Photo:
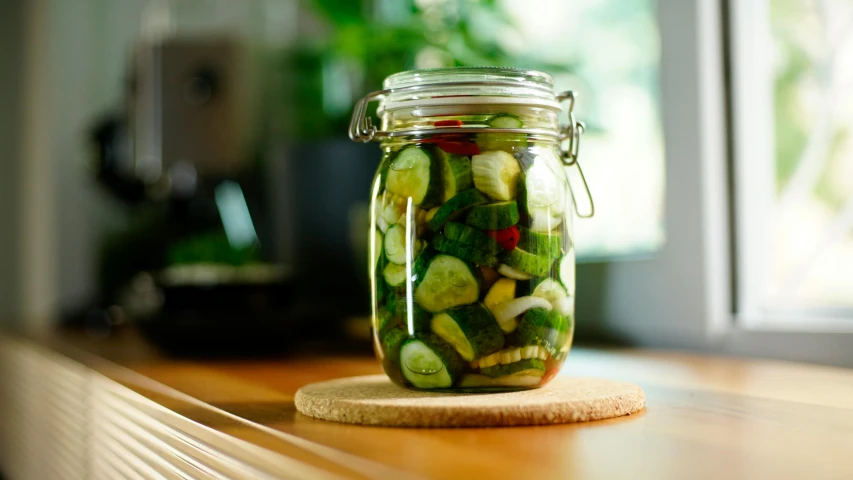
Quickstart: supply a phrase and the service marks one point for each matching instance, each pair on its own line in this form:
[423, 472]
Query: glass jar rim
[468, 86]
[444, 75]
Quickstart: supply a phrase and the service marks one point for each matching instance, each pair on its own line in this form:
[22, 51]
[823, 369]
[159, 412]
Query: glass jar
[471, 263]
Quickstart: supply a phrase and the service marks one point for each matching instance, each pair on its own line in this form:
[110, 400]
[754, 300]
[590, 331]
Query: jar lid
[472, 86]
[468, 86]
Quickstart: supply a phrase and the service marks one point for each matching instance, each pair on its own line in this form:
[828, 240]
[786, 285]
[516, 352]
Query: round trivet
[374, 400]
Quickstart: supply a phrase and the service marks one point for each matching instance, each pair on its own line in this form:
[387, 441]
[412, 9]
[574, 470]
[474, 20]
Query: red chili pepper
[459, 148]
[507, 238]
[448, 123]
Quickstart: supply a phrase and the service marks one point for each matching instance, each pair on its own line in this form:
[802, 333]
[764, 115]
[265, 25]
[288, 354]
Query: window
[612, 51]
[794, 167]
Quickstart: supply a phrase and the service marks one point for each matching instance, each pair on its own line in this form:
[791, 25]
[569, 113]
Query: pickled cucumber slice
[455, 207]
[502, 291]
[392, 340]
[507, 313]
[473, 237]
[536, 265]
[465, 252]
[542, 197]
[544, 327]
[422, 262]
[495, 216]
[532, 367]
[415, 172]
[395, 244]
[505, 120]
[501, 141]
[566, 272]
[448, 282]
[540, 243]
[543, 188]
[471, 330]
[395, 275]
[456, 171]
[496, 174]
[429, 362]
[399, 307]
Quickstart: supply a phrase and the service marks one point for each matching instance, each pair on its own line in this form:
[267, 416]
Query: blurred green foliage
[367, 40]
[798, 69]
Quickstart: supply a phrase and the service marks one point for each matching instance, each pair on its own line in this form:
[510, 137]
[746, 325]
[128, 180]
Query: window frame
[688, 295]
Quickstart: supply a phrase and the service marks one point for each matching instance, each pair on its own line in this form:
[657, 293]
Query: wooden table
[145, 415]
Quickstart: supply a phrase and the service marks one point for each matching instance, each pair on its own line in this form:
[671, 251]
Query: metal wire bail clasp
[361, 128]
[572, 133]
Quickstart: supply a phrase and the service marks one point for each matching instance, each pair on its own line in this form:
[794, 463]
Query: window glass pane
[606, 50]
[811, 228]
[612, 54]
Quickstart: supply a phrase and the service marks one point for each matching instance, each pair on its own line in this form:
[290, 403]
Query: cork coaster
[374, 400]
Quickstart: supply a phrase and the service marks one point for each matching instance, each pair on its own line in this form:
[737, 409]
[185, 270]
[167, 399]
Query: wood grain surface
[705, 417]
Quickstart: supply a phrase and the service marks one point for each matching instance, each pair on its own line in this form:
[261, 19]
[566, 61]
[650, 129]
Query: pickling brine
[472, 261]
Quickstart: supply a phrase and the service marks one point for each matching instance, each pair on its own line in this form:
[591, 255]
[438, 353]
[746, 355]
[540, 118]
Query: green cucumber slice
[536, 265]
[496, 174]
[546, 328]
[422, 262]
[471, 330]
[448, 282]
[455, 207]
[505, 120]
[416, 173]
[502, 141]
[395, 244]
[465, 252]
[566, 272]
[531, 367]
[540, 243]
[471, 236]
[400, 308]
[543, 188]
[395, 275]
[495, 216]
[429, 362]
[392, 340]
[456, 171]
[541, 197]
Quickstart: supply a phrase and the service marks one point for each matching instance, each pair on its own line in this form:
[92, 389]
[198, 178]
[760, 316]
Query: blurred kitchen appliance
[219, 257]
[191, 106]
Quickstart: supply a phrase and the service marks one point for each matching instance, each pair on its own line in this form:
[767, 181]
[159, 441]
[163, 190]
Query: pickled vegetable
[472, 331]
[478, 292]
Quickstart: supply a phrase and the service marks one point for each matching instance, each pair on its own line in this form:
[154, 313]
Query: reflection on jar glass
[472, 261]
